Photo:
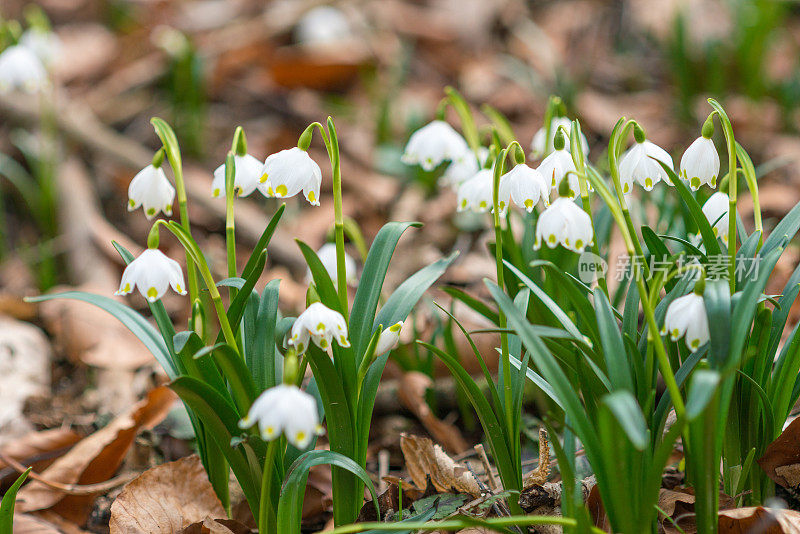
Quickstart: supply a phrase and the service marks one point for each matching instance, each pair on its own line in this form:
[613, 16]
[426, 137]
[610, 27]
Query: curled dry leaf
[424, 459]
[30, 524]
[759, 519]
[94, 459]
[166, 499]
[411, 392]
[38, 449]
[781, 460]
[215, 526]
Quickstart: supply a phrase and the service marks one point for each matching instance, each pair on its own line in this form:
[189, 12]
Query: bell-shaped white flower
[463, 168]
[565, 223]
[246, 176]
[388, 339]
[716, 210]
[700, 163]
[151, 190]
[327, 255]
[322, 325]
[43, 43]
[290, 171]
[538, 146]
[686, 316]
[638, 163]
[152, 273]
[433, 144]
[323, 25]
[285, 409]
[525, 187]
[556, 166]
[477, 193]
[21, 70]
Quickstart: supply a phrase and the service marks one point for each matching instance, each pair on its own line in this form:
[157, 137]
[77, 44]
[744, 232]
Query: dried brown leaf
[411, 392]
[424, 459]
[166, 499]
[759, 519]
[781, 460]
[37, 449]
[94, 459]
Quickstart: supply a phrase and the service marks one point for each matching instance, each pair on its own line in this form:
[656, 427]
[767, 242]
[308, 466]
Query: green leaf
[261, 360]
[290, 505]
[786, 229]
[701, 390]
[628, 414]
[132, 320]
[322, 279]
[263, 243]
[188, 344]
[617, 364]
[8, 502]
[236, 308]
[235, 371]
[474, 303]
[717, 299]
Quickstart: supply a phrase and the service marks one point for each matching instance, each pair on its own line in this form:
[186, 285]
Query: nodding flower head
[538, 146]
[285, 409]
[151, 190]
[389, 339]
[556, 166]
[433, 144]
[288, 172]
[639, 164]
[716, 210]
[21, 70]
[463, 168]
[686, 316]
[321, 324]
[477, 193]
[564, 223]
[526, 187]
[246, 176]
[700, 163]
[152, 273]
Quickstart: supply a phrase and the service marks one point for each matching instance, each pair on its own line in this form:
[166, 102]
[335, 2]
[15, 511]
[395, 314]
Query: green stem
[462, 523]
[267, 523]
[727, 129]
[230, 229]
[338, 217]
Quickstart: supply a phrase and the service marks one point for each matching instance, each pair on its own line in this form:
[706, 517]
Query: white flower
[290, 171]
[323, 25]
[687, 316]
[327, 255]
[151, 190]
[555, 166]
[564, 222]
[700, 163]
[285, 409]
[463, 168]
[433, 144]
[321, 324]
[246, 177]
[152, 273]
[21, 69]
[477, 193]
[43, 43]
[638, 164]
[538, 143]
[716, 211]
[525, 187]
[388, 339]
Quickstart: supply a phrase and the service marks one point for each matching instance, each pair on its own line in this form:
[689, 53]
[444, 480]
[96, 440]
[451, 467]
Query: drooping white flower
[463, 168]
[638, 165]
[525, 186]
[477, 193]
[285, 409]
[43, 43]
[700, 163]
[152, 273]
[538, 147]
[246, 177]
[327, 255]
[716, 211]
[288, 172]
[321, 324]
[323, 25]
[557, 165]
[21, 70]
[151, 190]
[388, 339]
[433, 144]
[686, 316]
[565, 223]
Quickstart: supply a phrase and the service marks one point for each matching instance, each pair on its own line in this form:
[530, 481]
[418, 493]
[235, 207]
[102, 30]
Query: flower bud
[389, 339]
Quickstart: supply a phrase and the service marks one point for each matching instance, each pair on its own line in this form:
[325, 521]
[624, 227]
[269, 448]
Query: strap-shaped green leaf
[7, 504]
